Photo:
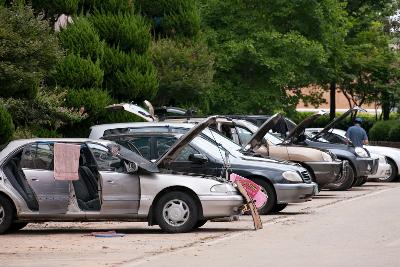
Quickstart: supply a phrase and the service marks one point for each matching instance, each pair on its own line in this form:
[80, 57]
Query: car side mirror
[131, 167]
[198, 158]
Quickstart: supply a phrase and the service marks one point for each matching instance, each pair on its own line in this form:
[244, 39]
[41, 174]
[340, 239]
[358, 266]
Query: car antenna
[227, 165]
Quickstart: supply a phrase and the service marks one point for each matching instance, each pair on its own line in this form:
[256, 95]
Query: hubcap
[2, 214]
[176, 212]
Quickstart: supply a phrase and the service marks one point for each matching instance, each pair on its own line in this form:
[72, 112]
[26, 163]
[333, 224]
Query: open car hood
[185, 139]
[135, 109]
[300, 128]
[336, 121]
[256, 139]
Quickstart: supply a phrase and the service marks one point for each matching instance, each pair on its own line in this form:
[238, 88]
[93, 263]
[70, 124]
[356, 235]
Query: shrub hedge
[81, 38]
[6, 125]
[78, 72]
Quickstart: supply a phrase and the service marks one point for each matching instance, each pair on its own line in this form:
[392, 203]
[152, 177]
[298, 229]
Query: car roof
[97, 131]
[15, 144]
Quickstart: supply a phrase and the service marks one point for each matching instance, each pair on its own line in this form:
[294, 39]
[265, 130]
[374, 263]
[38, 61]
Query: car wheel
[279, 207]
[344, 183]
[16, 226]
[6, 214]
[270, 192]
[393, 175]
[361, 180]
[200, 223]
[176, 212]
[364, 180]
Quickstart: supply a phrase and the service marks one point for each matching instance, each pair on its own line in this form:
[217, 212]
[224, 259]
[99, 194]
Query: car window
[142, 143]
[244, 134]
[38, 156]
[163, 143]
[184, 155]
[105, 160]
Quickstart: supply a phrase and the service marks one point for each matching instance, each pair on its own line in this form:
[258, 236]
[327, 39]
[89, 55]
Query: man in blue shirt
[357, 134]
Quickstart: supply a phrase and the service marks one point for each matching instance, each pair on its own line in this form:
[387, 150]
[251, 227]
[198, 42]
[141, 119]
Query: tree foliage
[28, 52]
[6, 125]
[185, 71]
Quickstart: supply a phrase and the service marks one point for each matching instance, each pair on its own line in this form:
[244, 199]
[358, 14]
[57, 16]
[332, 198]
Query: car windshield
[226, 143]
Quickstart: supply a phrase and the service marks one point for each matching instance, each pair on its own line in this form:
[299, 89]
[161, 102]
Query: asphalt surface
[354, 228]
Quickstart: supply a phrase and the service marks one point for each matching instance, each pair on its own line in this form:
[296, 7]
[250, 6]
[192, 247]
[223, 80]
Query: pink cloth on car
[252, 189]
[66, 161]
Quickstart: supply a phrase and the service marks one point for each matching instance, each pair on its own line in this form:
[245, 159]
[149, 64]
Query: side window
[163, 144]
[38, 156]
[142, 144]
[105, 160]
[184, 155]
[244, 134]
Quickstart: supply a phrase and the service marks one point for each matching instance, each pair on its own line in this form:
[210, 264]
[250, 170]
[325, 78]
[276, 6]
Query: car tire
[361, 180]
[279, 207]
[344, 183]
[364, 180]
[394, 175]
[6, 214]
[200, 223]
[16, 226]
[270, 192]
[176, 212]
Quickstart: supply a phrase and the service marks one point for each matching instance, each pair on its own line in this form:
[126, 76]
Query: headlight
[292, 176]
[361, 152]
[326, 157]
[222, 188]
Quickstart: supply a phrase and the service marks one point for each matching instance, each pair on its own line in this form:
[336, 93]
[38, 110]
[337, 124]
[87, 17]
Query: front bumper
[325, 172]
[384, 171]
[221, 206]
[366, 166]
[295, 193]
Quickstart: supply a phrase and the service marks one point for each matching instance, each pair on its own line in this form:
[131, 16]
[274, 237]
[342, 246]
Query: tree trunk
[332, 88]
[385, 106]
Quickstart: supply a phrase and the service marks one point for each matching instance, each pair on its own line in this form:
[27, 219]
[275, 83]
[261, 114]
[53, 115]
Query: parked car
[114, 184]
[323, 166]
[389, 157]
[209, 153]
[359, 159]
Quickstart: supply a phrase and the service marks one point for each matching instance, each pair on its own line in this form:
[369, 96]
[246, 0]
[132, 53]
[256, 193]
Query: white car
[392, 155]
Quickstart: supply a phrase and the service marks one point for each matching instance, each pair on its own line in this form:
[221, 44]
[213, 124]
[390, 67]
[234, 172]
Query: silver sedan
[113, 184]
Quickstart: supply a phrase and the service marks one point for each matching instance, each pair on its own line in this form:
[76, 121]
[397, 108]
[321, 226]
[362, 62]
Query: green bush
[172, 17]
[125, 31]
[114, 6]
[380, 131]
[28, 51]
[394, 132]
[92, 100]
[77, 72]
[182, 68]
[56, 7]
[82, 39]
[129, 75]
[6, 125]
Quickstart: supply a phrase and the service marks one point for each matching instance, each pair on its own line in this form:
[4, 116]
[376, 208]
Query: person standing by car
[357, 134]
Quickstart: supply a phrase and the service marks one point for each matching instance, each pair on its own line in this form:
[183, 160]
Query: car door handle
[35, 180]
[110, 181]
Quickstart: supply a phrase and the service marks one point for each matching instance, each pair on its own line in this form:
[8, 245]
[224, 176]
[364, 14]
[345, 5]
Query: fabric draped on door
[66, 161]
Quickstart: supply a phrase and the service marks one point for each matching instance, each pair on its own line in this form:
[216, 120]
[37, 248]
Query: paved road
[355, 228]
